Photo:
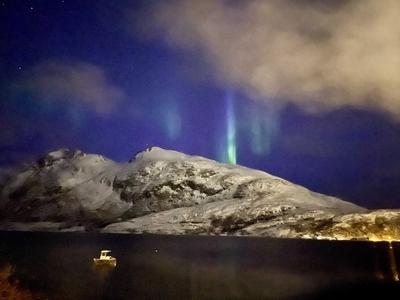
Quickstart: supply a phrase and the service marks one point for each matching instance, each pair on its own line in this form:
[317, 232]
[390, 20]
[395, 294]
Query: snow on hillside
[162, 191]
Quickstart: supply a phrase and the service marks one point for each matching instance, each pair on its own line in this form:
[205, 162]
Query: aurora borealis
[229, 149]
[314, 100]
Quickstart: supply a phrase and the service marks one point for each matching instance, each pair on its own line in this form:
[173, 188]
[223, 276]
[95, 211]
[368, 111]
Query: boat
[105, 259]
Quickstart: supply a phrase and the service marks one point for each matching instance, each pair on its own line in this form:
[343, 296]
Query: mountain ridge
[168, 192]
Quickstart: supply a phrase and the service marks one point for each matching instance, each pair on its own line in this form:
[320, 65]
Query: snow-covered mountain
[62, 186]
[164, 191]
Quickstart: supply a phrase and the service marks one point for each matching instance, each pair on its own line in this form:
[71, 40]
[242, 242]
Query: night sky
[305, 90]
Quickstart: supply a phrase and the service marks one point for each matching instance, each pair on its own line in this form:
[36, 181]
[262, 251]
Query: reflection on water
[103, 270]
[60, 266]
[390, 261]
[393, 265]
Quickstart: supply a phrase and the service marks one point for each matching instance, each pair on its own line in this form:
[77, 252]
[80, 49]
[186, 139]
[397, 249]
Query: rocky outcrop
[168, 192]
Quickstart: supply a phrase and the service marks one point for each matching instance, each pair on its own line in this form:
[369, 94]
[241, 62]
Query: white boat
[105, 259]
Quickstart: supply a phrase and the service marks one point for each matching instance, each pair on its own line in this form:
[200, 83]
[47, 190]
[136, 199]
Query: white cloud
[319, 54]
[77, 82]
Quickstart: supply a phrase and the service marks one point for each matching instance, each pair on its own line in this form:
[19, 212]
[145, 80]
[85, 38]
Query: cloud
[76, 83]
[319, 54]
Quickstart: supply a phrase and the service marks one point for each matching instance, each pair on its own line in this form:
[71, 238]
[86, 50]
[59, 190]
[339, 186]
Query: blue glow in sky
[231, 128]
[212, 78]
[168, 115]
[228, 149]
[264, 129]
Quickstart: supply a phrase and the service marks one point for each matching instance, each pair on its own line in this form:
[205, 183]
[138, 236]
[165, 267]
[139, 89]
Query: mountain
[168, 192]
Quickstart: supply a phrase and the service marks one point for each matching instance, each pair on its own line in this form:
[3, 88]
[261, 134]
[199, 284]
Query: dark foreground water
[199, 267]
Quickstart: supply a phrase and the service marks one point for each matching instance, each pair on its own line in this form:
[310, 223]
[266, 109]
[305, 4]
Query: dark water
[199, 267]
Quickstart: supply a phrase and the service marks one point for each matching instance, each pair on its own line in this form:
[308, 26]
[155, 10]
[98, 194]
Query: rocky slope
[163, 191]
